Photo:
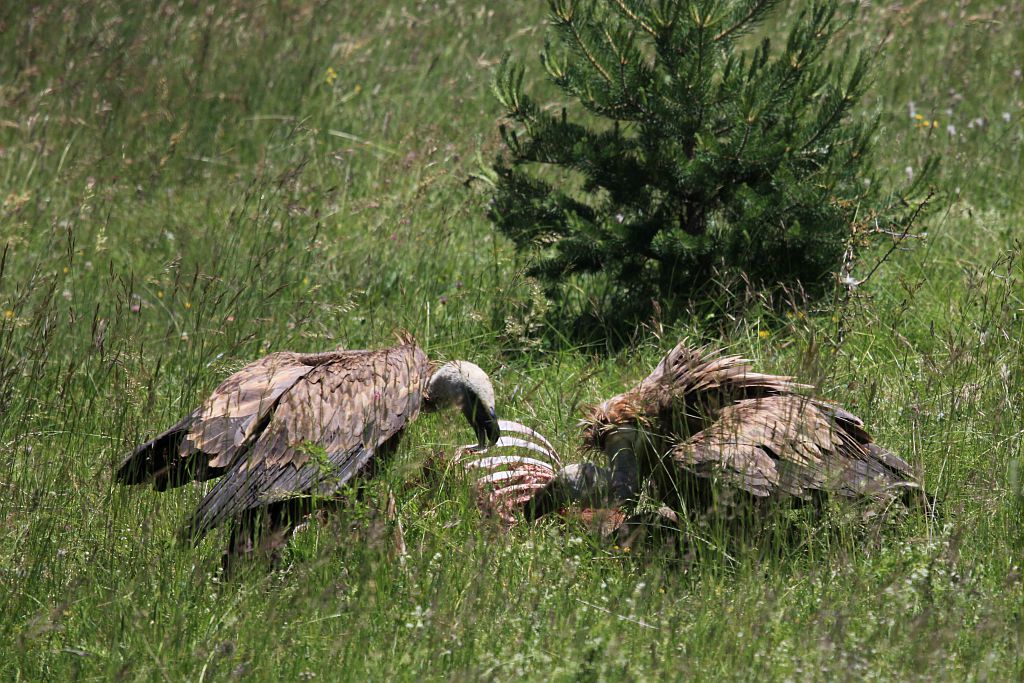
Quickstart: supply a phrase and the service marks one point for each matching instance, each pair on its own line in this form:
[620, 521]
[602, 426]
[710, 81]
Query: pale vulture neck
[457, 382]
[463, 385]
[447, 387]
[625, 477]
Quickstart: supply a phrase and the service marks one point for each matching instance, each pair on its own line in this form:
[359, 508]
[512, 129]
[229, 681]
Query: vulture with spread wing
[702, 423]
[286, 432]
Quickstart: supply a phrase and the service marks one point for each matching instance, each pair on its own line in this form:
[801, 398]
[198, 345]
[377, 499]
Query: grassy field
[187, 185]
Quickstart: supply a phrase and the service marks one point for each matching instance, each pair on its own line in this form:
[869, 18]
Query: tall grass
[188, 185]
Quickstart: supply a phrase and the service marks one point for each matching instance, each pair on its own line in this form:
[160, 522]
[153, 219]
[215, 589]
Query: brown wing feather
[685, 392]
[231, 415]
[791, 445]
[705, 380]
[210, 437]
[325, 429]
[153, 460]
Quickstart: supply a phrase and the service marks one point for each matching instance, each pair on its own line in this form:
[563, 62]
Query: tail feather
[158, 461]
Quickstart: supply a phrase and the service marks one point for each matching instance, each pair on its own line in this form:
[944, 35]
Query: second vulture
[289, 430]
[702, 424]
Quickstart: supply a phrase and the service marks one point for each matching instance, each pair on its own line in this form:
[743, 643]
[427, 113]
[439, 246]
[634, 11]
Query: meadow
[187, 185]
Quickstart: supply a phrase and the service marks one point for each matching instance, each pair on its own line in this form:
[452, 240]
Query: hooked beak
[484, 422]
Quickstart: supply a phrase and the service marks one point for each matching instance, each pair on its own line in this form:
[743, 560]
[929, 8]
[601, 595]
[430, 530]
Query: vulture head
[583, 484]
[465, 386]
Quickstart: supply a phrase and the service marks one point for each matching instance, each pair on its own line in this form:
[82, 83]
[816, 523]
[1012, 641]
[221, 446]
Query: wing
[325, 429]
[705, 381]
[211, 436]
[684, 394]
[791, 445]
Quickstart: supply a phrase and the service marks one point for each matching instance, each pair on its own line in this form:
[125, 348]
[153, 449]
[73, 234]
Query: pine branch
[567, 20]
[756, 9]
[635, 18]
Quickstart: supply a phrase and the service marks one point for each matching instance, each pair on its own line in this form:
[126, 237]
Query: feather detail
[716, 418]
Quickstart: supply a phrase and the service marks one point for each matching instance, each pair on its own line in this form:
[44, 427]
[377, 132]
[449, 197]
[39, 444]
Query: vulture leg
[241, 543]
[655, 527]
[262, 533]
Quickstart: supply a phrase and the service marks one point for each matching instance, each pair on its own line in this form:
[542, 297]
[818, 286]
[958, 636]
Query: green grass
[187, 185]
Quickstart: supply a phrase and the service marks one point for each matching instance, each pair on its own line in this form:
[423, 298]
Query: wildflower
[15, 201]
[1006, 117]
[951, 129]
[330, 76]
[188, 304]
[762, 334]
[918, 117]
[8, 314]
[66, 270]
[909, 170]
[160, 295]
[935, 124]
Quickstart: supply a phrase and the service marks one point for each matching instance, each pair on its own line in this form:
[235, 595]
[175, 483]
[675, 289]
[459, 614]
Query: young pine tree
[689, 157]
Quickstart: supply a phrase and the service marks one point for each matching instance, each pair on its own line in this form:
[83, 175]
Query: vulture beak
[483, 419]
[465, 385]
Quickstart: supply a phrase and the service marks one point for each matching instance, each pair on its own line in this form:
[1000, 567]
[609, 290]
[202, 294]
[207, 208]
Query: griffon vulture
[702, 423]
[289, 430]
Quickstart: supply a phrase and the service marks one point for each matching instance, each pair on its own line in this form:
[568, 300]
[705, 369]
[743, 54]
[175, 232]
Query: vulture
[703, 424]
[288, 431]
